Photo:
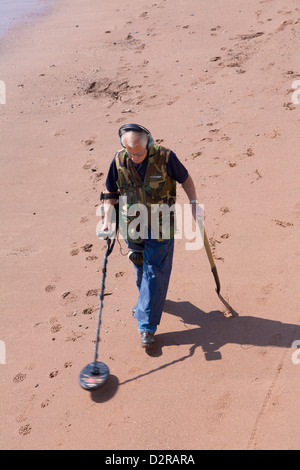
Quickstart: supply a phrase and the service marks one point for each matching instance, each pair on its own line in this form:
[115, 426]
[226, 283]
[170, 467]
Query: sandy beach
[217, 82]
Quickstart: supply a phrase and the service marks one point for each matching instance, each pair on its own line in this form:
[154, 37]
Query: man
[145, 175]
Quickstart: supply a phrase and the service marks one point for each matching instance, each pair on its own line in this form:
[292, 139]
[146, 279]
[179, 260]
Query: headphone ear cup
[150, 144]
[121, 140]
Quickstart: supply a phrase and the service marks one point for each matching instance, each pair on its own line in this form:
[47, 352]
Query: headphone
[136, 128]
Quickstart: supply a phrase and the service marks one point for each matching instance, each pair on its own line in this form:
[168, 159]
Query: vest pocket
[157, 187]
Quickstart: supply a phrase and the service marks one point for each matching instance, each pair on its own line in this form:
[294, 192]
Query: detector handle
[106, 234]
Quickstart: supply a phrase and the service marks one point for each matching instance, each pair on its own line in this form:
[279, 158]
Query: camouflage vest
[146, 204]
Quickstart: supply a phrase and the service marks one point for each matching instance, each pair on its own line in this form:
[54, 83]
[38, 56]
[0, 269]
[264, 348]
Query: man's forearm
[108, 208]
[190, 189]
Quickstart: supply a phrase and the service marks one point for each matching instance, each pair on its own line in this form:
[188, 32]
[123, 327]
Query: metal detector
[95, 374]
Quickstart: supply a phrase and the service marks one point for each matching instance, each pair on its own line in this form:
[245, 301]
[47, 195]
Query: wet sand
[14, 12]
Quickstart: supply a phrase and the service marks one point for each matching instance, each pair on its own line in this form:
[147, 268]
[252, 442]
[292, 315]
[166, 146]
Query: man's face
[137, 152]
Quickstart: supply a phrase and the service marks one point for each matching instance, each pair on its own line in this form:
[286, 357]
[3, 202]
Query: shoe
[148, 340]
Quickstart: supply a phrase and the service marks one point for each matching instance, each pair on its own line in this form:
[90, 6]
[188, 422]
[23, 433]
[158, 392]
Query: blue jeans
[152, 280]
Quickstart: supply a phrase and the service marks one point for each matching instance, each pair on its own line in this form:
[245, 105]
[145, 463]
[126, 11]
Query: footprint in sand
[221, 405]
[50, 288]
[224, 209]
[87, 247]
[289, 106]
[91, 292]
[283, 224]
[89, 142]
[68, 297]
[19, 378]
[88, 165]
[265, 292]
[55, 328]
[25, 430]
[87, 311]
[53, 374]
[45, 403]
[96, 176]
[250, 152]
[60, 132]
[223, 402]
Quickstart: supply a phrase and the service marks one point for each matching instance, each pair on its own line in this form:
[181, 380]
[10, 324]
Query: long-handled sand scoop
[211, 261]
[213, 267]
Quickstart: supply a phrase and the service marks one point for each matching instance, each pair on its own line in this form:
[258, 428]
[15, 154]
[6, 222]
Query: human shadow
[215, 330]
[211, 331]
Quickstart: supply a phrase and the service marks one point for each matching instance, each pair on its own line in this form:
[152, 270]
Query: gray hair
[132, 137]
